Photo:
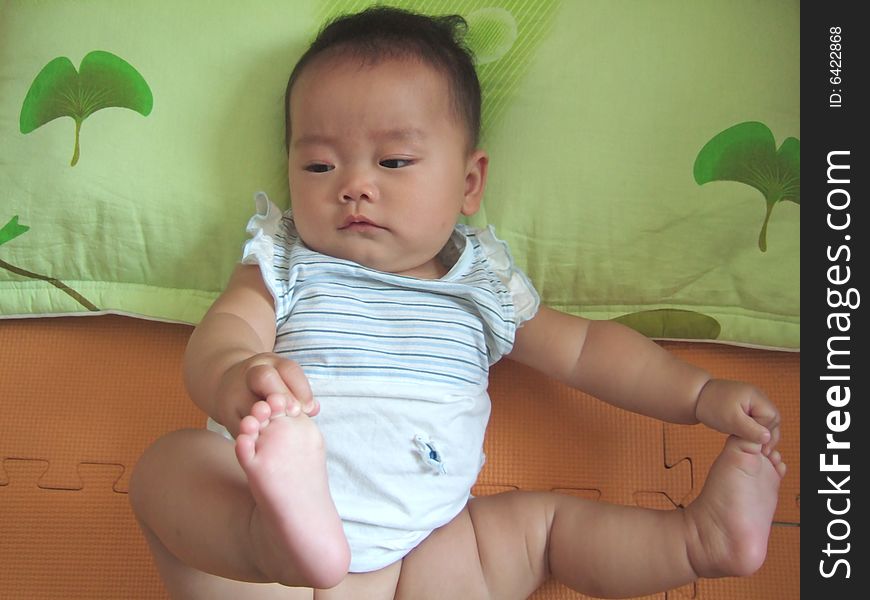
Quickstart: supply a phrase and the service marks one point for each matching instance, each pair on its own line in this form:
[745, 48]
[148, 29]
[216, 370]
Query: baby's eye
[319, 168]
[396, 163]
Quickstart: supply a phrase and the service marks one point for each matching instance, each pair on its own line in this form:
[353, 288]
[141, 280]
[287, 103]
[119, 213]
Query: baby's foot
[729, 522]
[282, 452]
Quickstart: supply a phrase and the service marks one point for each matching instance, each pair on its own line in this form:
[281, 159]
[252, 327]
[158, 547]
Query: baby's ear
[475, 182]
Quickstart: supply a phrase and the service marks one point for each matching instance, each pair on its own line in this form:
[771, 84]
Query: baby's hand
[739, 409]
[261, 377]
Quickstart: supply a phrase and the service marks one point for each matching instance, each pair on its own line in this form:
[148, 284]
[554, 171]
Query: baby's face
[379, 165]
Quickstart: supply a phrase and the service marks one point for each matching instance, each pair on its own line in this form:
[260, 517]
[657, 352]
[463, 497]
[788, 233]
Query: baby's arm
[229, 363]
[626, 369]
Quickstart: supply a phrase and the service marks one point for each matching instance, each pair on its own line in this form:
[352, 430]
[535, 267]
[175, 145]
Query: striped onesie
[400, 367]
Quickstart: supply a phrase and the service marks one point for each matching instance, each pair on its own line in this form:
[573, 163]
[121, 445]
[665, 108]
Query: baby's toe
[262, 412]
[776, 461]
[250, 426]
[277, 404]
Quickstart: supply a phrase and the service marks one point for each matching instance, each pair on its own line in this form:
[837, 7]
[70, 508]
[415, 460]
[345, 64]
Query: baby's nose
[359, 187]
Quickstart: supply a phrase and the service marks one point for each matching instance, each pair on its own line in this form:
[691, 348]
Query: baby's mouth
[359, 223]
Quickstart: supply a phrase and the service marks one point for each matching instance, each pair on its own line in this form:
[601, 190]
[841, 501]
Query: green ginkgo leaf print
[12, 230]
[747, 153]
[102, 81]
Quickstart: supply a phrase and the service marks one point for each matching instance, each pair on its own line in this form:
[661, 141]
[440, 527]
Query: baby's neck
[434, 269]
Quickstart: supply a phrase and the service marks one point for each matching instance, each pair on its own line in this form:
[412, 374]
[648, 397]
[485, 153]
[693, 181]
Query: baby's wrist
[703, 392]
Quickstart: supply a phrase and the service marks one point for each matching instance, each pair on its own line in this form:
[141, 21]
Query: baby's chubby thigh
[374, 585]
[445, 565]
[495, 548]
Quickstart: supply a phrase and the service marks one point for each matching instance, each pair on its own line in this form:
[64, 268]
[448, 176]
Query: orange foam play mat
[81, 398]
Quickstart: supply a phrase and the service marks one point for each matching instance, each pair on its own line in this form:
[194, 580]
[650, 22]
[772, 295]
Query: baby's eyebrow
[399, 134]
[313, 139]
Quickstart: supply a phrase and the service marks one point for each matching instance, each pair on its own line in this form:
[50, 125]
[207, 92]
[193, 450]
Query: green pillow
[644, 155]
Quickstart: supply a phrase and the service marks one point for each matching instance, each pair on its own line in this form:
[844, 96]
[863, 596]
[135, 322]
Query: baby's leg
[190, 493]
[614, 551]
[505, 546]
[186, 583]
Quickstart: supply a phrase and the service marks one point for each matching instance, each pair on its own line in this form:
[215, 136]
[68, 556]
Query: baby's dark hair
[381, 33]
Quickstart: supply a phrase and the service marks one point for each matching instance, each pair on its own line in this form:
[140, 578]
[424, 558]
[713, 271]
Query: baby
[345, 368]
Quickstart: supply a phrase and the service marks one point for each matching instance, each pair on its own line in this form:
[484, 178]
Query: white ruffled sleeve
[525, 298]
[268, 247]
